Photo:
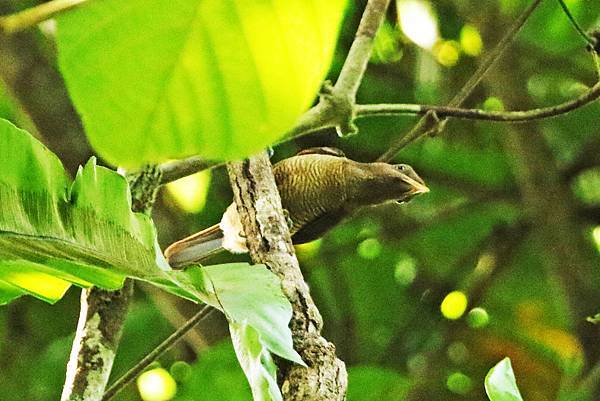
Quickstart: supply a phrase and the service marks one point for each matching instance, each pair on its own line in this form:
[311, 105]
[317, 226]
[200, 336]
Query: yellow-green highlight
[156, 385]
[454, 305]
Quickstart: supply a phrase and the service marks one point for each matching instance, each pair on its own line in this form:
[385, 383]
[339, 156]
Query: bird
[319, 187]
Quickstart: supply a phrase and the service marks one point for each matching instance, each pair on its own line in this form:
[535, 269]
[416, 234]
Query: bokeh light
[459, 383]
[156, 385]
[447, 53]
[405, 270]
[470, 41]
[596, 237]
[190, 192]
[309, 249]
[478, 318]
[180, 370]
[493, 103]
[418, 22]
[457, 352]
[454, 305]
[369, 249]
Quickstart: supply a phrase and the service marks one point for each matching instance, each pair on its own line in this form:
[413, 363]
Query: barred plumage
[319, 187]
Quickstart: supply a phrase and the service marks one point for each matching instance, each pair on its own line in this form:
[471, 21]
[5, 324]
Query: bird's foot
[288, 219]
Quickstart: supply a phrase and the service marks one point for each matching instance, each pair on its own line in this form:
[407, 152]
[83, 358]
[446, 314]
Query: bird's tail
[195, 248]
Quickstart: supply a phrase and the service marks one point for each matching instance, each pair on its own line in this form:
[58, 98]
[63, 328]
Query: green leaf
[500, 383]
[218, 78]
[53, 234]
[264, 306]
[258, 317]
[256, 362]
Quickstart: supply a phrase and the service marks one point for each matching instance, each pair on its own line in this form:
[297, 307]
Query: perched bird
[319, 187]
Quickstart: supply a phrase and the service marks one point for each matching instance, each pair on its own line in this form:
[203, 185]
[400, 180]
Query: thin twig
[360, 52]
[178, 169]
[369, 110]
[32, 16]
[324, 115]
[423, 127]
[175, 170]
[596, 63]
[575, 24]
[163, 347]
[494, 55]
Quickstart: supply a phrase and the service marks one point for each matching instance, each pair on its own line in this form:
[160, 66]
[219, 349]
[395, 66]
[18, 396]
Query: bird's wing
[324, 150]
[318, 227]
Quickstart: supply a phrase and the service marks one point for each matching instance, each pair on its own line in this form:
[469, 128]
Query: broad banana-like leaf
[54, 233]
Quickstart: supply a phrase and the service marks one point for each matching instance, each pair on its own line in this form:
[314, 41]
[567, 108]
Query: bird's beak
[417, 187]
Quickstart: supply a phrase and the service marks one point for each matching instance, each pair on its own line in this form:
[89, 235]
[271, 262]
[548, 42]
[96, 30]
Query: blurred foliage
[225, 55]
[379, 279]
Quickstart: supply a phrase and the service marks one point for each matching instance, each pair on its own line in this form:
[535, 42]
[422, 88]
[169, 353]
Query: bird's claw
[288, 219]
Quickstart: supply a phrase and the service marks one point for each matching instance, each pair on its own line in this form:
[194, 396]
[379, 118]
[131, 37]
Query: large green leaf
[54, 233]
[500, 383]
[157, 79]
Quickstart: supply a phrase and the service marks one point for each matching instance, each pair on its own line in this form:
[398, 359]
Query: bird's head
[415, 184]
[382, 182]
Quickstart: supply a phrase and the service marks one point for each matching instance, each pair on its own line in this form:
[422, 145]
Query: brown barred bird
[319, 187]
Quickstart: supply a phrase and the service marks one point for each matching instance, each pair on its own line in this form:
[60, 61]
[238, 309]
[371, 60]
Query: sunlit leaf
[54, 233]
[160, 79]
[264, 307]
[256, 362]
[500, 383]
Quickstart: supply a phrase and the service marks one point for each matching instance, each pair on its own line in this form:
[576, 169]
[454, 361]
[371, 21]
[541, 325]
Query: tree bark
[101, 318]
[269, 242]
[102, 315]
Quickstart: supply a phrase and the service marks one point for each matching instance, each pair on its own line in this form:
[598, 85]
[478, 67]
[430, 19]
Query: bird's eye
[401, 167]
